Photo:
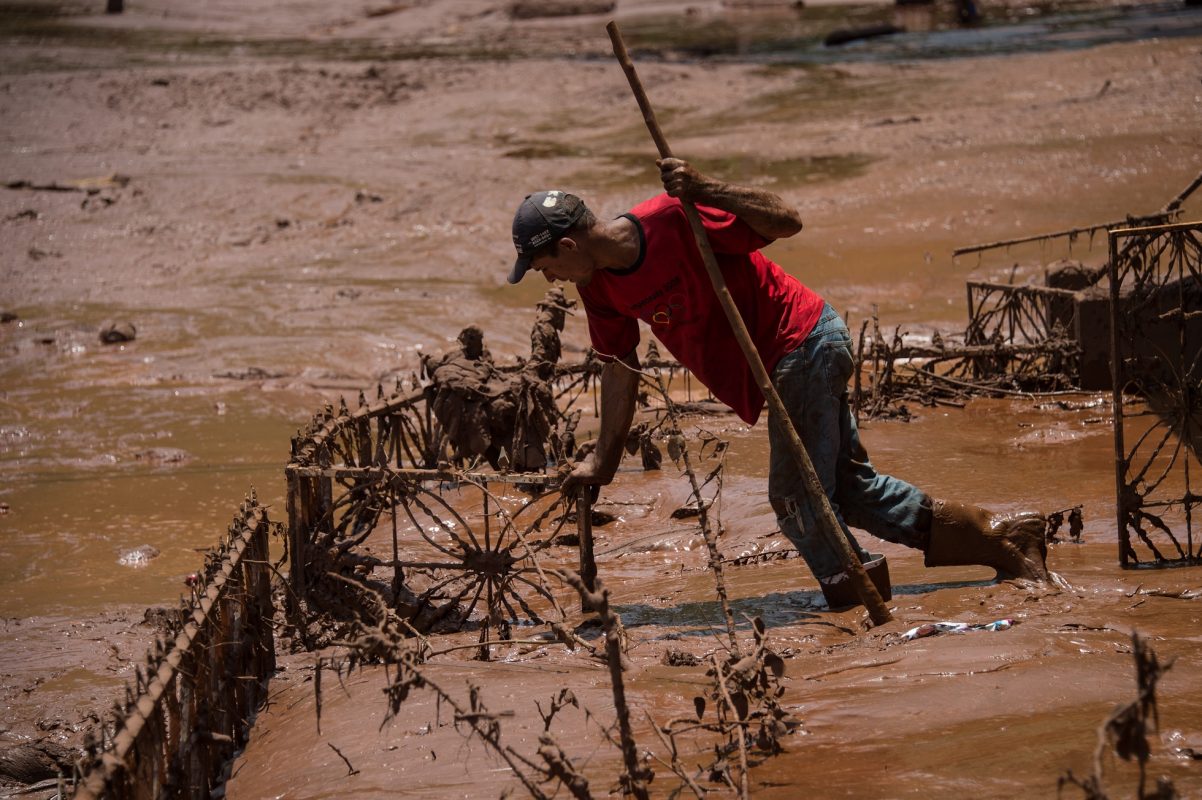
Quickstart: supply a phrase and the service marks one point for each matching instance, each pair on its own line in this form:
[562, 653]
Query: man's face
[567, 263]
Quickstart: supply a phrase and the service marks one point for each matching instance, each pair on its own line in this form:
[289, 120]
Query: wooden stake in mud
[584, 527]
[828, 524]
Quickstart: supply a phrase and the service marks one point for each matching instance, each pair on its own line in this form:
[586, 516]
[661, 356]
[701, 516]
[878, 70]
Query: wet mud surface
[287, 203]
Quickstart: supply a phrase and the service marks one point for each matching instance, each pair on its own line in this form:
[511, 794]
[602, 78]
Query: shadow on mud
[777, 609]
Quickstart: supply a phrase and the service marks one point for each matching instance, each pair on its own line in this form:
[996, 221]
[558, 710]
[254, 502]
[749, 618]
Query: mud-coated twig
[674, 763]
[740, 729]
[637, 777]
[350, 770]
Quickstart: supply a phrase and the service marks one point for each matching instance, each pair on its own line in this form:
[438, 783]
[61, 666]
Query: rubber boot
[1014, 545]
[840, 593]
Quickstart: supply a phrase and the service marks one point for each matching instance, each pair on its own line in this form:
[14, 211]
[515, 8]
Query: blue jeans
[812, 382]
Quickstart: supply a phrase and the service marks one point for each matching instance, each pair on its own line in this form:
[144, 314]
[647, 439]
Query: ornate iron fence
[192, 704]
[1156, 346]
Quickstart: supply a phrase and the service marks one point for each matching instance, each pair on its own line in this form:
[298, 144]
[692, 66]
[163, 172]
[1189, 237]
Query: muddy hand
[585, 473]
[680, 178]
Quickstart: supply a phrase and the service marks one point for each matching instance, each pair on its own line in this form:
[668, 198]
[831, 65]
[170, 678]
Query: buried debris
[407, 522]
[936, 628]
[501, 417]
[1076, 524]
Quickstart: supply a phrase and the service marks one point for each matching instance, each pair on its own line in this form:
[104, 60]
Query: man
[645, 265]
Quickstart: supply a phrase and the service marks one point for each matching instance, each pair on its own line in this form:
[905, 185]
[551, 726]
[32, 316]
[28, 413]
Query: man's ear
[568, 243]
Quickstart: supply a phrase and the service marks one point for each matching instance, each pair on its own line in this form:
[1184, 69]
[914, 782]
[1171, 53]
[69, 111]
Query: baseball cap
[541, 218]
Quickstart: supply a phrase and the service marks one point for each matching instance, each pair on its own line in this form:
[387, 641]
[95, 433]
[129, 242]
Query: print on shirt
[669, 306]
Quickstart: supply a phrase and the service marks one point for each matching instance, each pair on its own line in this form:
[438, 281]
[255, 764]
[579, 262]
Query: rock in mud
[163, 456]
[138, 557]
[679, 658]
[162, 619]
[117, 332]
[36, 761]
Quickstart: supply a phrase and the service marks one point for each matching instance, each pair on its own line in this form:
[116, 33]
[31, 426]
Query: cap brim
[520, 267]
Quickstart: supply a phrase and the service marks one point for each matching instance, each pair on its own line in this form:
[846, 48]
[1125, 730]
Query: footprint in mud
[139, 556]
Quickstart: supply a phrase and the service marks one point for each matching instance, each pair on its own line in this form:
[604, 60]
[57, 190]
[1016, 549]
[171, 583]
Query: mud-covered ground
[293, 199]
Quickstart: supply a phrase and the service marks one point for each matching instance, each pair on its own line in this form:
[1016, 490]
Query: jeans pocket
[838, 365]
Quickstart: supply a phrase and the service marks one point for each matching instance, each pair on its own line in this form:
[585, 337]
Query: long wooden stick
[828, 524]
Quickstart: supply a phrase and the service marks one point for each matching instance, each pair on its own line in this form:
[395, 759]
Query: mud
[281, 158]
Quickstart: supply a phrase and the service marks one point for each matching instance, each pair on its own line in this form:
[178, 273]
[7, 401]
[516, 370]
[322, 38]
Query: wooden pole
[584, 527]
[828, 524]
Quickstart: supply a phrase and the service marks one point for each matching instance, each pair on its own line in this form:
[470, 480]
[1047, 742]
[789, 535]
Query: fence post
[298, 528]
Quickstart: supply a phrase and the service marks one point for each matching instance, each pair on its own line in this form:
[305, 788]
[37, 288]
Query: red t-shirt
[669, 289]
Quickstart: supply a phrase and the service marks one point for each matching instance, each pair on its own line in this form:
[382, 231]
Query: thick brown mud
[310, 206]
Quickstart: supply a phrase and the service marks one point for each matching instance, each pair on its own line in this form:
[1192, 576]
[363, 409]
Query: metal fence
[1156, 346]
[192, 704]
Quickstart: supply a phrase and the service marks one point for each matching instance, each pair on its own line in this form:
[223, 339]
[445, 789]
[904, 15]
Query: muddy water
[292, 231]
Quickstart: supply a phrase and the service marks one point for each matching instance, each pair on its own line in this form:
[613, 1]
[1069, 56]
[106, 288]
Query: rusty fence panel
[193, 702]
[1156, 349]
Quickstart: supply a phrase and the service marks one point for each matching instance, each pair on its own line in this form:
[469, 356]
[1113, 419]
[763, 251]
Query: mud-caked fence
[192, 704]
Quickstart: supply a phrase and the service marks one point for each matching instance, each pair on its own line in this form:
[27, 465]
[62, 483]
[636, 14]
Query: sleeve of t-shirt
[729, 234]
[613, 335]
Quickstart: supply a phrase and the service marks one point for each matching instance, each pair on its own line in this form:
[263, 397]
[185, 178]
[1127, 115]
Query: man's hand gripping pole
[827, 522]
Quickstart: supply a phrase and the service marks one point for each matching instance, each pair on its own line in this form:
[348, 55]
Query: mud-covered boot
[840, 592]
[1013, 544]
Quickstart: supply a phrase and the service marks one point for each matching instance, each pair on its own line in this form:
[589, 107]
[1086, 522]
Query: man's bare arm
[766, 213]
[619, 394]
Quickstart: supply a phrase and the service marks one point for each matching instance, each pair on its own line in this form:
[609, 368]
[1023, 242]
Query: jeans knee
[785, 506]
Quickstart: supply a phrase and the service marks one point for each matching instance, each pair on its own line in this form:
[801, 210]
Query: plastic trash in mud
[936, 628]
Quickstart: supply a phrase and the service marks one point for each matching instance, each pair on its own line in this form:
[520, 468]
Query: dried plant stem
[741, 730]
[637, 777]
[674, 764]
